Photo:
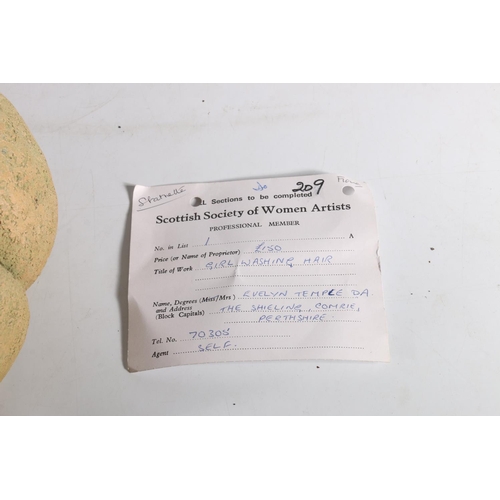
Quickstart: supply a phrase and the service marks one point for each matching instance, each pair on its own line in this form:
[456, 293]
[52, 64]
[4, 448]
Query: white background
[431, 155]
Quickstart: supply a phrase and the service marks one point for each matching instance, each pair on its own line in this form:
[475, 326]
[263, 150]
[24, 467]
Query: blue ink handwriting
[260, 187]
[289, 318]
[262, 248]
[152, 201]
[209, 333]
[214, 346]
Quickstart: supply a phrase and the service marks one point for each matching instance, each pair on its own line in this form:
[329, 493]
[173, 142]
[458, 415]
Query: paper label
[282, 268]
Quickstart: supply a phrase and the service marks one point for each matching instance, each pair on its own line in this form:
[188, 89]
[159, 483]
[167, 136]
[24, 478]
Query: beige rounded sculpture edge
[28, 202]
[28, 225]
[14, 319]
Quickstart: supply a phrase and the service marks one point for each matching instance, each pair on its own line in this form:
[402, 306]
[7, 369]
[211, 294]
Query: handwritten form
[285, 268]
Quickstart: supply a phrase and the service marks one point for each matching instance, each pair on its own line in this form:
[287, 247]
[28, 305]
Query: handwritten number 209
[308, 187]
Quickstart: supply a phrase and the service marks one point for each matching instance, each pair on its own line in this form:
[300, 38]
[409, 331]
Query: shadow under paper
[122, 290]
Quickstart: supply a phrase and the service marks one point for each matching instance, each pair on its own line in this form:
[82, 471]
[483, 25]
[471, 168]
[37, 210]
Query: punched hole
[348, 190]
[196, 202]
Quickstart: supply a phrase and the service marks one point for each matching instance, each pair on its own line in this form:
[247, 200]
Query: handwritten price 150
[263, 248]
